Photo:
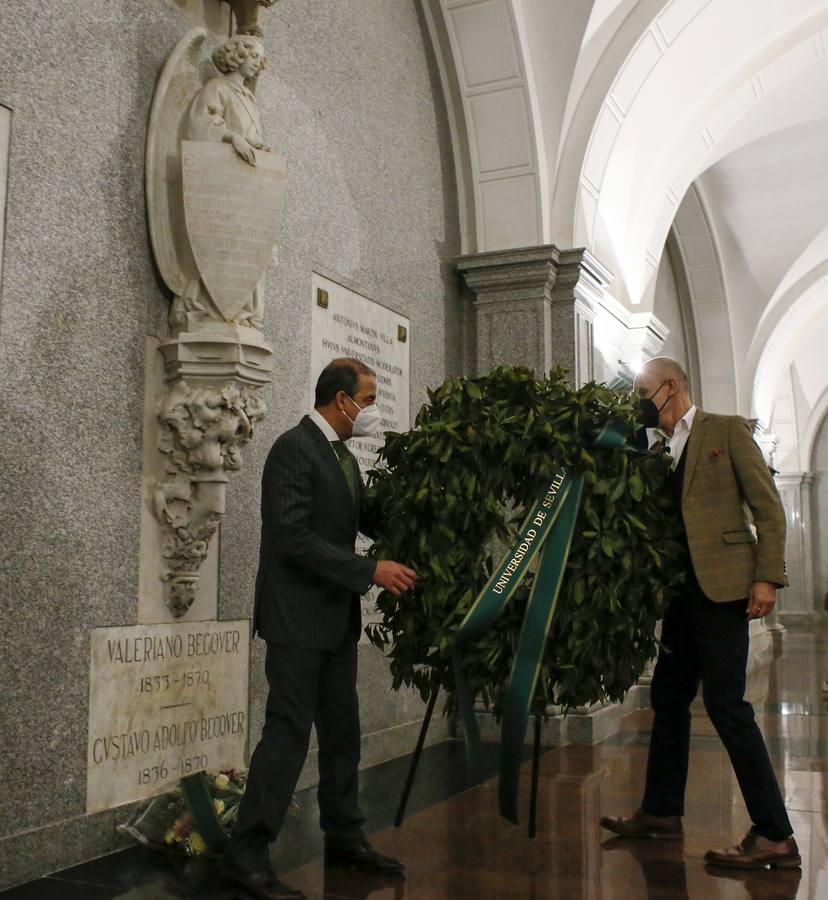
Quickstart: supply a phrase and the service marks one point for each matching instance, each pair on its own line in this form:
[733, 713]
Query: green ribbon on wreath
[546, 532]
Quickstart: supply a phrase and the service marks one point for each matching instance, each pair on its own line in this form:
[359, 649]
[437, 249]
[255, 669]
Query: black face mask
[647, 410]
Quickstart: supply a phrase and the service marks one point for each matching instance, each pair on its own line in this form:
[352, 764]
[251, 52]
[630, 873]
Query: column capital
[564, 274]
[535, 307]
[581, 277]
[510, 274]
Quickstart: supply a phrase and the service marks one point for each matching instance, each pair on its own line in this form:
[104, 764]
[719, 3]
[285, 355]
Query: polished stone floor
[456, 847]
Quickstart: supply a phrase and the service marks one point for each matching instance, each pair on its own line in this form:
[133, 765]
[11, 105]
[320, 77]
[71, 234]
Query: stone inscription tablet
[164, 701]
[346, 323]
[232, 212]
[352, 325]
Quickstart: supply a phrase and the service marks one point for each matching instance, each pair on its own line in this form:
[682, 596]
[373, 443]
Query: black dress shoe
[363, 858]
[263, 885]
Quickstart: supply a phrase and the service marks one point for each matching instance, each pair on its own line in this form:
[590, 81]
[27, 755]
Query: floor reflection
[342, 883]
[663, 869]
[456, 846]
[462, 849]
[779, 884]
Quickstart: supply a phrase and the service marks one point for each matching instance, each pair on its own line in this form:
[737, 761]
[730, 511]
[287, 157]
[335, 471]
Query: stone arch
[631, 182]
[798, 293]
[596, 73]
[486, 70]
[812, 427]
[778, 349]
[696, 242]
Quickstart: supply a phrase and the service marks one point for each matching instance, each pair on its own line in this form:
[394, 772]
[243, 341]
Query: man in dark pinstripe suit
[308, 610]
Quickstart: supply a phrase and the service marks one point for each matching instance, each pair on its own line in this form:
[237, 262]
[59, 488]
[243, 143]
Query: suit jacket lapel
[693, 449]
[329, 456]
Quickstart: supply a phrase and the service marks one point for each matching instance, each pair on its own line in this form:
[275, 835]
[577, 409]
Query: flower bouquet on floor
[195, 817]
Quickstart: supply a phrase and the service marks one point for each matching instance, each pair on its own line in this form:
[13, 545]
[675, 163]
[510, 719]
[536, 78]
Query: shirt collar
[685, 423]
[324, 425]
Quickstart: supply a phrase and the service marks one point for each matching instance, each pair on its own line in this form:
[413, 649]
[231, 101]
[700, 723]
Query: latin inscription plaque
[164, 701]
[232, 211]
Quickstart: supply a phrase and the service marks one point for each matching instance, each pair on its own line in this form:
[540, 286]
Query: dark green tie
[347, 463]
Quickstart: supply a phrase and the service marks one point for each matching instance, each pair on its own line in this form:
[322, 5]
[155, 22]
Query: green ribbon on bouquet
[205, 819]
[546, 533]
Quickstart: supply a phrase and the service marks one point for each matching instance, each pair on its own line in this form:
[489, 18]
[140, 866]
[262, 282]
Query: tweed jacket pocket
[742, 536]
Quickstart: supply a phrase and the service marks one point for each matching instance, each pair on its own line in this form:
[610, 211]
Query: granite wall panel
[352, 99]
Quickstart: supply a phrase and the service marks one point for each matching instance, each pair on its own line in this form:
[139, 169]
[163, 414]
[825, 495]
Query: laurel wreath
[451, 493]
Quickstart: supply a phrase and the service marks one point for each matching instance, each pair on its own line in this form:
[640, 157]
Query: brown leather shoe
[643, 825]
[757, 852]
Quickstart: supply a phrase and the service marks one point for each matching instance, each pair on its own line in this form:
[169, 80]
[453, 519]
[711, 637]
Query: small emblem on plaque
[402, 334]
[322, 298]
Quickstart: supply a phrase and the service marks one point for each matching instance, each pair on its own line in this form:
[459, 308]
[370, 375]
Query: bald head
[663, 368]
[665, 382]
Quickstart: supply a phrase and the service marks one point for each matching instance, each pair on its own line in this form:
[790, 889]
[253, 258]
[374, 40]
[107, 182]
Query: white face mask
[367, 421]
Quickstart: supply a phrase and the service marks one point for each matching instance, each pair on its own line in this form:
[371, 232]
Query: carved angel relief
[214, 198]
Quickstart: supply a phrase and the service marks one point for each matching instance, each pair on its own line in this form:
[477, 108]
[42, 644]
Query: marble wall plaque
[346, 323]
[5, 129]
[164, 701]
[233, 212]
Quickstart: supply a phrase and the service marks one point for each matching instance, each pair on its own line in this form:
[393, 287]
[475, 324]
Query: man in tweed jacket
[308, 610]
[734, 527]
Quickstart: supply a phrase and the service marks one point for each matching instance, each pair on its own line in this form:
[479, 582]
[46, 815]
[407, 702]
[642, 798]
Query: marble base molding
[587, 725]
[793, 618]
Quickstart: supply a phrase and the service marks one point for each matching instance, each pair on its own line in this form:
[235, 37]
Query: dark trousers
[306, 687]
[708, 642]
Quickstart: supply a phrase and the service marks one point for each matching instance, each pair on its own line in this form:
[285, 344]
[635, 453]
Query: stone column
[535, 307]
[797, 602]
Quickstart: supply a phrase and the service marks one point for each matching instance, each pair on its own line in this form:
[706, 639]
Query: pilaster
[797, 603]
[535, 307]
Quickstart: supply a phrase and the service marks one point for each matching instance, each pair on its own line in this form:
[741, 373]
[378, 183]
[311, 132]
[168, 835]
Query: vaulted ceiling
[596, 123]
